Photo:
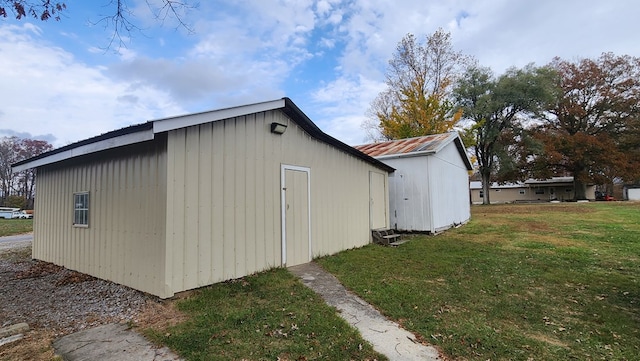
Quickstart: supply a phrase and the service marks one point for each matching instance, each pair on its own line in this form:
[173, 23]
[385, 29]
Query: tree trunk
[579, 187]
[486, 186]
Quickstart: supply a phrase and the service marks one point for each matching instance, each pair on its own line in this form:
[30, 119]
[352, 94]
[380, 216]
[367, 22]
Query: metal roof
[146, 131]
[428, 144]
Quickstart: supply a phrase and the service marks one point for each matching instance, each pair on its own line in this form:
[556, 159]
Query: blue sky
[60, 84]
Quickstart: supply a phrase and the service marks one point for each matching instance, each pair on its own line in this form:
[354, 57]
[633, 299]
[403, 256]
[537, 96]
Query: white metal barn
[429, 191]
[179, 203]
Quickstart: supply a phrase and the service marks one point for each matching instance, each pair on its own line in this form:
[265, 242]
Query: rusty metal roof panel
[428, 143]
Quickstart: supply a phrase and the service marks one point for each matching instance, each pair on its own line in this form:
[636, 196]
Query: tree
[21, 184]
[7, 157]
[495, 109]
[42, 10]
[593, 131]
[120, 18]
[419, 81]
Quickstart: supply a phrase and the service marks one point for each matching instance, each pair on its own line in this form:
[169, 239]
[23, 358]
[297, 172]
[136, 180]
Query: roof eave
[127, 136]
[146, 131]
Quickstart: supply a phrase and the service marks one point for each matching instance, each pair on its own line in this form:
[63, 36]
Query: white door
[296, 211]
[633, 194]
[377, 200]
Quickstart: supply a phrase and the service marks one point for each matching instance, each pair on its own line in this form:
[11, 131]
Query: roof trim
[146, 131]
[183, 121]
[118, 138]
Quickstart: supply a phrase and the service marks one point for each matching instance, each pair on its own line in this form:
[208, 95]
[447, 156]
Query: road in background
[19, 241]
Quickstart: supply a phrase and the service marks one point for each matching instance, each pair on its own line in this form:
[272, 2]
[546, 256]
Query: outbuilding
[429, 191]
[530, 191]
[179, 203]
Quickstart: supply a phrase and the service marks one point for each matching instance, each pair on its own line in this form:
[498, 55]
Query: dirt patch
[35, 346]
[546, 339]
[160, 315]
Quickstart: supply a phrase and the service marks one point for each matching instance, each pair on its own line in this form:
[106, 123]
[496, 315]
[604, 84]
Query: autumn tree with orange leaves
[419, 81]
[593, 131]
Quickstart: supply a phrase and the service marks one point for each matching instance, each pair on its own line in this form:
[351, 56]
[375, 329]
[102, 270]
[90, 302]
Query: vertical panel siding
[124, 242]
[241, 159]
[429, 193]
[409, 194]
[449, 183]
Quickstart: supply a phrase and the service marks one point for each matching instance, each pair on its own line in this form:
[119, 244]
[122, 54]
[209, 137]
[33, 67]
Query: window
[81, 209]
[522, 191]
[498, 190]
[481, 194]
[539, 190]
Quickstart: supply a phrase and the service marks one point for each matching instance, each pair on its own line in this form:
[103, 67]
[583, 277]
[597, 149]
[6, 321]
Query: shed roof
[146, 131]
[411, 147]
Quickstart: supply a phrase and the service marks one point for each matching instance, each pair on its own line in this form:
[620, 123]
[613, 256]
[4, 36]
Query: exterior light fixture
[278, 128]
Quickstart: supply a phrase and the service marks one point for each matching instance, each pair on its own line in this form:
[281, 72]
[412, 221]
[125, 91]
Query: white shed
[429, 191]
[179, 203]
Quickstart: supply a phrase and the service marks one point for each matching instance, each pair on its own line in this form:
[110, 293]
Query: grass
[519, 282]
[269, 316]
[10, 227]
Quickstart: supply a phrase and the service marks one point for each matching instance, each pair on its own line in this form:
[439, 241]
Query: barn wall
[124, 241]
[449, 182]
[409, 198]
[223, 206]
[429, 193]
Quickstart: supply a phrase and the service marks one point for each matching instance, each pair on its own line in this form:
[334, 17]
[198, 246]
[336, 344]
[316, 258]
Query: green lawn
[10, 227]
[270, 316]
[519, 282]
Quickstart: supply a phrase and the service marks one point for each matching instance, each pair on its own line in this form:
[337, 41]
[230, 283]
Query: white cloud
[47, 91]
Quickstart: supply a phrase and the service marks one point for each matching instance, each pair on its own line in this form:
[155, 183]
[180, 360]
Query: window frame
[81, 207]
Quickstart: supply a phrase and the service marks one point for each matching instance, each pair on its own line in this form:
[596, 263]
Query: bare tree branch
[120, 17]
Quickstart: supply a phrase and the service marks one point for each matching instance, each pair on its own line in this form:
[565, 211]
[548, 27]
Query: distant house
[631, 192]
[532, 190]
[428, 192]
[183, 202]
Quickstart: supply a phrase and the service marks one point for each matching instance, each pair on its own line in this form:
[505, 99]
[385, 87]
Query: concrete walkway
[113, 342]
[387, 337]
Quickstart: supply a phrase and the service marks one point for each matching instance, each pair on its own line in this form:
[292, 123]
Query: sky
[63, 82]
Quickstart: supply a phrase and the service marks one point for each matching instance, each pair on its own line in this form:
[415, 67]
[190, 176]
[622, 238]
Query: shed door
[296, 210]
[377, 200]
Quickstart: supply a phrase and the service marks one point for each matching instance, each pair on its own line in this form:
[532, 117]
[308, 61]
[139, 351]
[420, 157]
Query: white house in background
[179, 203]
[429, 191]
[531, 190]
[631, 192]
